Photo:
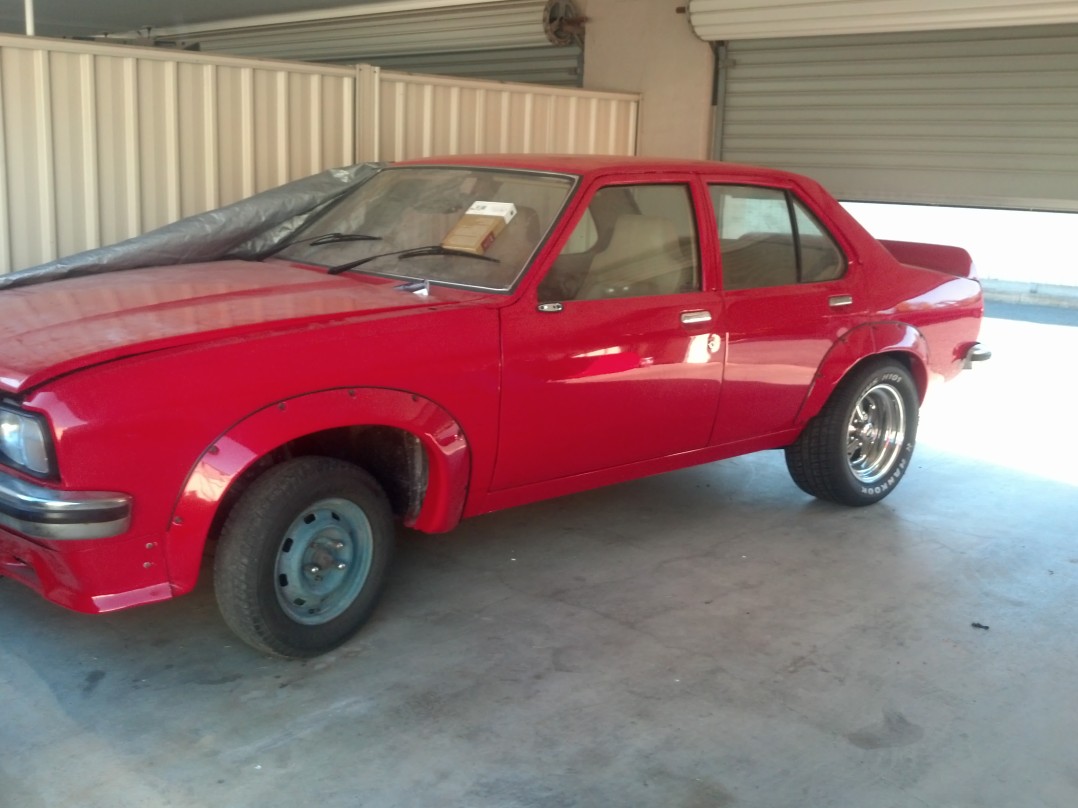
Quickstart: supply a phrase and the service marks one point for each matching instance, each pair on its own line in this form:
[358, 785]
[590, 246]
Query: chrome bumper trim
[46, 513]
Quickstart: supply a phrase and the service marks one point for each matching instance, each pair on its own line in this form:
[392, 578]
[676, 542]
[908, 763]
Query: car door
[789, 296]
[613, 358]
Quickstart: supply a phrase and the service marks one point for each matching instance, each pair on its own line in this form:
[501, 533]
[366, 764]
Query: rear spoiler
[952, 260]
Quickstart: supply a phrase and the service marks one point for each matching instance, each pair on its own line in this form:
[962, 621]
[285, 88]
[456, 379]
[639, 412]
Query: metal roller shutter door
[506, 40]
[985, 117]
[558, 67]
[716, 20]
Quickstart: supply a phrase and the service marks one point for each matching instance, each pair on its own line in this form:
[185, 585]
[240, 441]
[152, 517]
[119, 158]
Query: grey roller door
[559, 67]
[983, 118]
[536, 41]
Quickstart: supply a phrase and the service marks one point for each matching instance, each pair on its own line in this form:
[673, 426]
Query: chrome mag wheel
[876, 433]
[858, 447]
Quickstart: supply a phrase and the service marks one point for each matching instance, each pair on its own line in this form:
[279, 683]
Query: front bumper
[77, 549]
[46, 513]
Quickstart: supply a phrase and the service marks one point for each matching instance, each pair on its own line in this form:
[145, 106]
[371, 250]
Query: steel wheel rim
[876, 433]
[323, 561]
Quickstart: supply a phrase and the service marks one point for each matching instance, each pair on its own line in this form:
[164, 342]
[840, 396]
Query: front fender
[273, 426]
[858, 344]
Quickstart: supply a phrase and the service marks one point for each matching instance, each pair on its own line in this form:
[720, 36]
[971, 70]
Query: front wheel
[303, 555]
[859, 446]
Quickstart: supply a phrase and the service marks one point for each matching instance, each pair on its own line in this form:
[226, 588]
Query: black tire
[859, 446]
[303, 555]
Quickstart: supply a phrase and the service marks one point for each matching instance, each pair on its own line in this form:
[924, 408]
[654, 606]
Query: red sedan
[452, 337]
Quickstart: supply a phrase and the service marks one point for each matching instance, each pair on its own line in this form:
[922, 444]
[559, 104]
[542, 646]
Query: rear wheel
[303, 555]
[859, 446]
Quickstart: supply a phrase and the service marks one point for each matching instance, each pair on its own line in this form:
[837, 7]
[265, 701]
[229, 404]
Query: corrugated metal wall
[727, 20]
[553, 67]
[507, 40]
[983, 118]
[361, 32]
[406, 115]
[101, 143]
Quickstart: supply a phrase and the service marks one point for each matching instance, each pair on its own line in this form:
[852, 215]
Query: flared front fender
[246, 442]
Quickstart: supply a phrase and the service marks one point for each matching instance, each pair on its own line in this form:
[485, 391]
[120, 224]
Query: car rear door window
[767, 238]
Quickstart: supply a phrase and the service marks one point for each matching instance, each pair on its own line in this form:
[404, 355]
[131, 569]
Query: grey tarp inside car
[248, 229]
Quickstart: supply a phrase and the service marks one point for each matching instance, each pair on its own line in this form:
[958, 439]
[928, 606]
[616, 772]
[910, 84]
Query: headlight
[24, 441]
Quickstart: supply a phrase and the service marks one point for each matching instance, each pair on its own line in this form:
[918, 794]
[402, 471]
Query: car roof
[602, 164]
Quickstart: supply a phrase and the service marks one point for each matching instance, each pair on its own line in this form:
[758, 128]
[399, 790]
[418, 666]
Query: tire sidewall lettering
[893, 478]
[823, 462]
[899, 383]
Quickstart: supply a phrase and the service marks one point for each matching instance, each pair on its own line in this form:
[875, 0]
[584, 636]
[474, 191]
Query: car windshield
[430, 223]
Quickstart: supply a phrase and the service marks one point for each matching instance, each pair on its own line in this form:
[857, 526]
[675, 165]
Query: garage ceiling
[66, 18]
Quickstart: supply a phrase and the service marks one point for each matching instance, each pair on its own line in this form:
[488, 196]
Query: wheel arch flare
[867, 343]
[319, 422]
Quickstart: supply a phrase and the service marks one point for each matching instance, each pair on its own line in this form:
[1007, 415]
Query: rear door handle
[838, 301]
[695, 317]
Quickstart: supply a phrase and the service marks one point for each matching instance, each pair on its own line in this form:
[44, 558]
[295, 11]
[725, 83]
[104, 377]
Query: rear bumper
[976, 353]
[46, 513]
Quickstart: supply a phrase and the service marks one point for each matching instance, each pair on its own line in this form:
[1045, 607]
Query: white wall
[647, 47]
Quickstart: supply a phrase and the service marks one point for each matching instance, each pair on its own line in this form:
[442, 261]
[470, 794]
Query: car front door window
[632, 241]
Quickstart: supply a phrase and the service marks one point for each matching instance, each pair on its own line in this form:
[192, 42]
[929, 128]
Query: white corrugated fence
[99, 143]
[405, 115]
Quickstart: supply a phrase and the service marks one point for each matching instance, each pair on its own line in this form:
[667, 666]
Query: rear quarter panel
[929, 317]
[945, 309]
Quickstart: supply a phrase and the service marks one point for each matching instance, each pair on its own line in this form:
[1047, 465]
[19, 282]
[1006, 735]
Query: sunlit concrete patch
[1015, 411]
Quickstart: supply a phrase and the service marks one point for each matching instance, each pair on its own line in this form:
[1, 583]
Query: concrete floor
[710, 637]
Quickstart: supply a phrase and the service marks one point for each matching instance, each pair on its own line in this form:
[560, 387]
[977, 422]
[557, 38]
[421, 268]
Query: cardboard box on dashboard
[479, 226]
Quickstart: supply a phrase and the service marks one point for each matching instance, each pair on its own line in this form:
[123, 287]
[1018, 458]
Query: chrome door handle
[695, 317]
[837, 301]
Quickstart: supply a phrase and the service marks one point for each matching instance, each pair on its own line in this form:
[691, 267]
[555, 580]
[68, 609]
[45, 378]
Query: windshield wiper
[333, 238]
[414, 252]
[325, 238]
